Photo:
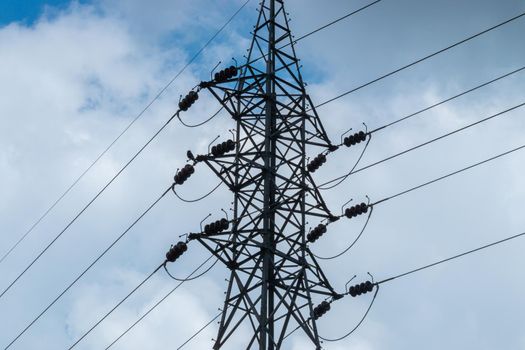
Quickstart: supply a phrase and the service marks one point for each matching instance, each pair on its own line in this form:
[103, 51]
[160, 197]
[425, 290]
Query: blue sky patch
[27, 11]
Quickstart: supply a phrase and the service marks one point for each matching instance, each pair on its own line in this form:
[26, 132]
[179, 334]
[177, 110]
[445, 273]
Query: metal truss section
[275, 281]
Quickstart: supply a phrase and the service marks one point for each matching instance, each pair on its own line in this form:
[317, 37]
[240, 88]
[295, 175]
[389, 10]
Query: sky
[74, 74]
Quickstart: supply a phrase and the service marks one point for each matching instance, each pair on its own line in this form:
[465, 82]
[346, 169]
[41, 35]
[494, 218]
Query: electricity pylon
[275, 281]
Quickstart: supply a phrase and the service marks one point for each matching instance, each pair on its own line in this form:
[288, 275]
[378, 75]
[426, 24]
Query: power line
[87, 269]
[435, 263]
[448, 99]
[190, 277]
[201, 123]
[415, 188]
[418, 187]
[116, 306]
[199, 198]
[410, 64]
[418, 270]
[87, 205]
[332, 257]
[334, 22]
[450, 174]
[404, 274]
[342, 178]
[199, 331]
[358, 324]
[159, 302]
[187, 279]
[397, 70]
[452, 258]
[421, 59]
[427, 184]
[157, 96]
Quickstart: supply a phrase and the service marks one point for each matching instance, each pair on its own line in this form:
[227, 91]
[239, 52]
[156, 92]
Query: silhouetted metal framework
[275, 281]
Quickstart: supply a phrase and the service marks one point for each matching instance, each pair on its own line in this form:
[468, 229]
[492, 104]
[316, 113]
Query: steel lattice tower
[275, 281]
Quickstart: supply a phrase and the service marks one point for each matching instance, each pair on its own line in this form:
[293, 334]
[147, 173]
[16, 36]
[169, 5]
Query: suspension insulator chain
[184, 174]
[361, 288]
[176, 251]
[216, 227]
[188, 100]
[223, 148]
[226, 74]
[321, 309]
[316, 233]
[356, 210]
[354, 139]
[220, 77]
[316, 163]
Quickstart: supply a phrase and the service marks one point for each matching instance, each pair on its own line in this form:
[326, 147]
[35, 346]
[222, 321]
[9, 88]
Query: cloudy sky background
[73, 75]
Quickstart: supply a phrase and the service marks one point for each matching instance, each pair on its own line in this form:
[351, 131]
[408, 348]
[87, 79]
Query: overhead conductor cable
[188, 278]
[100, 256]
[174, 253]
[86, 206]
[458, 43]
[327, 185]
[179, 179]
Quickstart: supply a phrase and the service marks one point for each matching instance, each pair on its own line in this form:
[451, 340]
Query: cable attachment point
[371, 276]
[321, 309]
[344, 205]
[214, 68]
[176, 251]
[190, 155]
[361, 288]
[186, 235]
[337, 296]
[225, 213]
[209, 145]
[343, 134]
[332, 148]
[316, 233]
[316, 163]
[347, 283]
[207, 216]
[332, 218]
[232, 131]
[184, 174]
[188, 100]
